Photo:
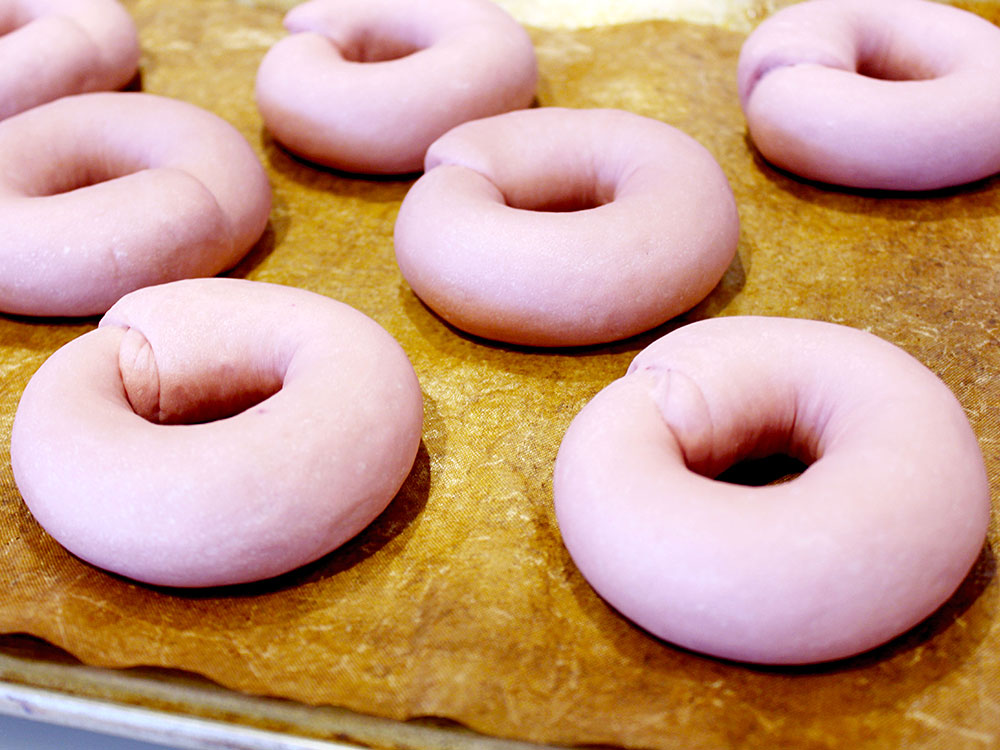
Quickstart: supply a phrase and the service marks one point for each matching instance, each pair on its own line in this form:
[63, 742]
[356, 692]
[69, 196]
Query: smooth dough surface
[870, 539]
[894, 94]
[563, 227]
[55, 48]
[367, 85]
[104, 193]
[217, 431]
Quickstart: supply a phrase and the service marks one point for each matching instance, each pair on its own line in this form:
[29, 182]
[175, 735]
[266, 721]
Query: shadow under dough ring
[367, 85]
[564, 227]
[217, 431]
[55, 48]
[104, 193]
[894, 94]
[870, 539]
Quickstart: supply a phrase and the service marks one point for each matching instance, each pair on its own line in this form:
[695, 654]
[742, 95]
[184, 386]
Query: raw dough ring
[326, 422]
[877, 533]
[894, 94]
[367, 85]
[54, 48]
[104, 193]
[561, 227]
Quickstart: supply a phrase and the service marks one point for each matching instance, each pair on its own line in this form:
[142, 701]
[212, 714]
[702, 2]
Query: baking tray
[519, 651]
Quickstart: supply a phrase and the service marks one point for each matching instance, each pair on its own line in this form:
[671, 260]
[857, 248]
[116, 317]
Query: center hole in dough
[192, 389]
[66, 175]
[568, 204]
[887, 68]
[562, 198]
[219, 406]
[12, 20]
[196, 404]
[379, 46]
[758, 472]
[75, 180]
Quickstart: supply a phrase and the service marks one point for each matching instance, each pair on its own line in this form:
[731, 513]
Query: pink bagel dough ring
[104, 193]
[870, 539]
[54, 48]
[894, 94]
[216, 431]
[367, 85]
[562, 227]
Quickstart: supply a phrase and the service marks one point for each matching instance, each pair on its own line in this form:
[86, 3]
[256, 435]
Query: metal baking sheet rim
[83, 697]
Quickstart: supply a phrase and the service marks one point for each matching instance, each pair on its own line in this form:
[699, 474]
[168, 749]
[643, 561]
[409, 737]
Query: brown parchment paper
[460, 601]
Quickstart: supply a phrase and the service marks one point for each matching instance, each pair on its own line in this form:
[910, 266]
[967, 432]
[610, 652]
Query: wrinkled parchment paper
[460, 601]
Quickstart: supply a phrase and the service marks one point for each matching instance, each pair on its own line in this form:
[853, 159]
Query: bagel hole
[374, 47]
[566, 205]
[777, 468]
[562, 199]
[61, 179]
[13, 18]
[221, 406]
[198, 408]
[881, 66]
[886, 72]
[205, 391]
[9, 25]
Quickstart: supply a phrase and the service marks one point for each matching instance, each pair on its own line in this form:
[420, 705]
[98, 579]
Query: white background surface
[24, 734]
